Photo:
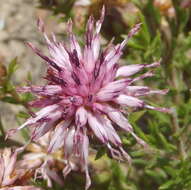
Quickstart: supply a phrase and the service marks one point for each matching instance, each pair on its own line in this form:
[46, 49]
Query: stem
[170, 72]
[18, 99]
[176, 128]
[2, 129]
[8, 142]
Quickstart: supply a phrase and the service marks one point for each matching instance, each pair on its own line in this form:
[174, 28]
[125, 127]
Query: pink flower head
[83, 97]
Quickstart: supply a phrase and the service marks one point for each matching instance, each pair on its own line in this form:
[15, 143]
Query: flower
[101, 2]
[185, 4]
[84, 96]
[43, 163]
[165, 7]
[82, 3]
[12, 176]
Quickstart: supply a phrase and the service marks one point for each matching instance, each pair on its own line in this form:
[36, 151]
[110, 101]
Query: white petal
[129, 101]
[97, 127]
[57, 140]
[69, 142]
[111, 133]
[81, 116]
[39, 115]
[126, 71]
[112, 89]
[118, 118]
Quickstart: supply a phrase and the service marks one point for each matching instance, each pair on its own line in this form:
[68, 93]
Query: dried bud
[165, 7]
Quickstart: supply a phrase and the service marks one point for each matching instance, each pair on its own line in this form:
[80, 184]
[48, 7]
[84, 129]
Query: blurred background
[165, 34]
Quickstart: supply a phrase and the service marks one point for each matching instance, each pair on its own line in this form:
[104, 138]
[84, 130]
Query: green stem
[9, 142]
[176, 128]
[171, 73]
[2, 129]
[18, 99]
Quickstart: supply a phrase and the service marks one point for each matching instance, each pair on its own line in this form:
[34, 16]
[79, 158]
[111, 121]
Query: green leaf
[29, 76]
[158, 175]
[167, 185]
[138, 153]
[140, 133]
[23, 114]
[144, 30]
[135, 44]
[9, 99]
[100, 153]
[138, 3]
[26, 97]
[2, 128]
[25, 134]
[164, 142]
[139, 162]
[154, 48]
[141, 40]
[25, 131]
[136, 116]
[9, 86]
[12, 67]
